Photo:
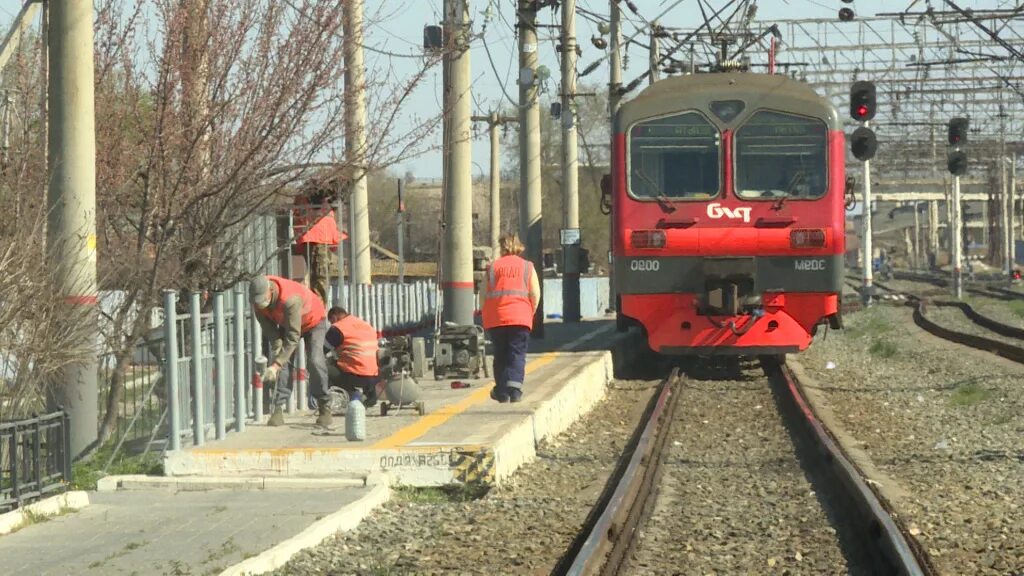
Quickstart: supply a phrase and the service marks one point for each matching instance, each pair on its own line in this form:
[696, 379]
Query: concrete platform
[165, 531]
[464, 436]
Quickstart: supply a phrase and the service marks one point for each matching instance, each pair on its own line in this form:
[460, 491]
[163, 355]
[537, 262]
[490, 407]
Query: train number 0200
[645, 265]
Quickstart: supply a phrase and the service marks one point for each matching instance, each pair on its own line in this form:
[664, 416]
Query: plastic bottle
[355, 419]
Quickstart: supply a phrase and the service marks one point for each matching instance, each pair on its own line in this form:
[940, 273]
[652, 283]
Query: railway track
[811, 492]
[1002, 348]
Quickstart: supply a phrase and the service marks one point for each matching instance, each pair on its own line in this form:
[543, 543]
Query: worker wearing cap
[511, 294]
[355, 351]
[288, 312]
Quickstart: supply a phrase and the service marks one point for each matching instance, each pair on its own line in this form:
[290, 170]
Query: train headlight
[647, 239]
[807, 238]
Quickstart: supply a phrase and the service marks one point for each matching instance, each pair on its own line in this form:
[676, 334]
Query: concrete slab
[464, 437]
[163, 532]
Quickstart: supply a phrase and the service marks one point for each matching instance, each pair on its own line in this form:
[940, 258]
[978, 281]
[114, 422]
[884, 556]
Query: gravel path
[943, 422]
[520, 529]
[733, 498]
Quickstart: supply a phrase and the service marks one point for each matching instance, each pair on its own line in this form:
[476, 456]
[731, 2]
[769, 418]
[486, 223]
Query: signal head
[958, 131]
[862, 101]
[956, 162]
[863, 143]
[846, 14]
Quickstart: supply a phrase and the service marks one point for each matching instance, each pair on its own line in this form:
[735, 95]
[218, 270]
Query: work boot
[323, 410]
[277, 418]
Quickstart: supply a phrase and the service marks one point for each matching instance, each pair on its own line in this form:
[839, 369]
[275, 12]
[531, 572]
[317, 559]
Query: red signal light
[862, 111]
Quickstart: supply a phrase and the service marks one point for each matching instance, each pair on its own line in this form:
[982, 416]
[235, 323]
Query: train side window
[781, 155]
[676, 157]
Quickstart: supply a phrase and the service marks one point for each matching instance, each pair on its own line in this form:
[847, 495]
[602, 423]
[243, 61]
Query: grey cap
[258, 291]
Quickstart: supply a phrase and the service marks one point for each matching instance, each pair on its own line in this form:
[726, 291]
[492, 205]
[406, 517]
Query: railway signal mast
[863, 145]
[956, 162]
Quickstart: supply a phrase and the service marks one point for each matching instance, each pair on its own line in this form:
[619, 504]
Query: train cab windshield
[781, 156]
[675, 157]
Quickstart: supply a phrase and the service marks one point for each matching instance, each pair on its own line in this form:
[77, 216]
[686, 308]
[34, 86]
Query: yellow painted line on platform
[445, 413]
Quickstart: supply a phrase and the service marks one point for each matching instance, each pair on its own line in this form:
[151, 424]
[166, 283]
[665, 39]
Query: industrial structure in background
[912, 74]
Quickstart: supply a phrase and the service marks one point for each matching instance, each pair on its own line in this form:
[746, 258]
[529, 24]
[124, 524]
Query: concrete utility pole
[457, 258]
[570, 236]
[614, 97]
[13, 38]
[866, 234]
[355, 139]
[495, 121]
[1007, 217]
[1013, 207]
[917, 236]
[71, 167]
[956, 236]
[654, 52]
[530, 218]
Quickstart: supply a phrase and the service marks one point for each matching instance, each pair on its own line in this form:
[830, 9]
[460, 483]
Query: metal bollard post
[301, 376]
[259, 364]
[171, 367]
[220, 365]
[239, 319]
[198, 389]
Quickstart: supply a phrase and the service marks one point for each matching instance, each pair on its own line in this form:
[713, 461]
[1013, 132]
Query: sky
[396, 27]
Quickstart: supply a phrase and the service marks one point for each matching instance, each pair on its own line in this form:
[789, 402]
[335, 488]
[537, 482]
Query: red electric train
[728, 217]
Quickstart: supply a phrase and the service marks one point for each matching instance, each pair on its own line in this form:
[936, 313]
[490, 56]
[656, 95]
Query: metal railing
[34, 459]
[210, 360]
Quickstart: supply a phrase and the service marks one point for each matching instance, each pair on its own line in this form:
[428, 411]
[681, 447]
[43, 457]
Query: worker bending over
[355, 351]
[510, 295]
[287, 312]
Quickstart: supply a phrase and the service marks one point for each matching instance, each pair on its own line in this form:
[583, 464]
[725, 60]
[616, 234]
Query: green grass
[1017, 307]
[883, 349]
[441, 494]
[867, 323]
[86, 473]
[969, 395]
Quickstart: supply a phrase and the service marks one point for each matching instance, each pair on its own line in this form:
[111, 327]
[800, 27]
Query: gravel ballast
[942, 423]
[733, 498]
[523, 528]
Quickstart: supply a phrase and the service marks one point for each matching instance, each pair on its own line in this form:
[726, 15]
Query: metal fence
[34, 459]
[210, 359]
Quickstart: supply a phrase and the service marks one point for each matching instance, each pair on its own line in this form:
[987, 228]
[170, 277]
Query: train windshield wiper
[663, 200]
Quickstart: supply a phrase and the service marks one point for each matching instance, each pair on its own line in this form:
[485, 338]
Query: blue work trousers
[510, 345]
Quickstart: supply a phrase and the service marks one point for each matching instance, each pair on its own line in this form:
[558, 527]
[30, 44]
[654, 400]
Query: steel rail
[901, 552]
[980, 342]
[999, 348]
[611, 527]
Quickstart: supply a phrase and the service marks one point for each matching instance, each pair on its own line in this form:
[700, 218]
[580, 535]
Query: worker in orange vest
[288, 311]
[355, 350]
[511, 294]
[317, 232]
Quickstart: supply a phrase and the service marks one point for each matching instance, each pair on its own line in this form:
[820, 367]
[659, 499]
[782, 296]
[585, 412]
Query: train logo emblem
[716, 211]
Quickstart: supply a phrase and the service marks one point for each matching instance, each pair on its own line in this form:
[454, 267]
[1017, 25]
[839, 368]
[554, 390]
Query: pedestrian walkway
[463, 437]
[167, 532]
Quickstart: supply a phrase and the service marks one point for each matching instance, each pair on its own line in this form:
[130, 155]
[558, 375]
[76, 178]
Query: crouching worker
[355, 352]
[510, 295]
[288, 312]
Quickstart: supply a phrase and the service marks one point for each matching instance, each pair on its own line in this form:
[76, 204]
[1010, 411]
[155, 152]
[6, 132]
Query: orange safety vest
[325, 231]
[508, 293]
[312, 307]
[357, 353]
